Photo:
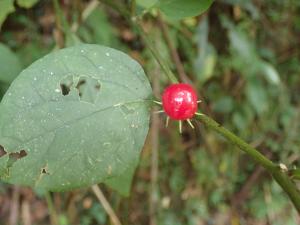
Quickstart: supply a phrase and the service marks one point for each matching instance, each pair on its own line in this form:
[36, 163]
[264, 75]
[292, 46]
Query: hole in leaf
[66, 84]
[18, 155]
[13, 157]
[97, 86]
[80, 83]
[64, 89]
[44, 170]
[88, 88]
[2, 151]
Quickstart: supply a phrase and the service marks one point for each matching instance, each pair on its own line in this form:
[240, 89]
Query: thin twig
[173, 51]
[150, 44]
[26, 216]
[154, 146]
[59, 34]
[89, 9]
[14, 209]
[136, 23]
[51, 209]
[108, 209]
[61, 20]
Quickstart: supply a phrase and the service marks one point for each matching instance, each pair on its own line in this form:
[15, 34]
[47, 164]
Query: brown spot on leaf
[17, 155]
[2, 151]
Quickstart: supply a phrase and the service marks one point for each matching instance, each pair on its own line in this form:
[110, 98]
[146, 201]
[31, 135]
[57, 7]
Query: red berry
[180, 101]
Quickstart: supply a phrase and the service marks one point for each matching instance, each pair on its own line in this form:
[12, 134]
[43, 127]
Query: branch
[14, 209]
[173, 51]
[52, 212]
[136, 23]
[149, 43]
[108, 209]
[154, 153]
[281, 177]
[60, 18]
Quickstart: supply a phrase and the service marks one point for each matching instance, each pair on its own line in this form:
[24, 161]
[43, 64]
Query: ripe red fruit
[180, 101]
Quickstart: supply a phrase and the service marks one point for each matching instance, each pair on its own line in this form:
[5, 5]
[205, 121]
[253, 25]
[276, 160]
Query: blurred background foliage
[243, 57]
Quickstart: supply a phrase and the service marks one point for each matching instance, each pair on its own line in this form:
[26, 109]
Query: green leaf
[6, 7]
[270, 72]
[241, 45]
[122, 183]
[3, 88]
[146, 3]
[257, 96]
[207, 57]
[73, 140]
[224, 104]
[242, 117]
[10, 65]
[97, 29]
[27, 3]
[32, 51]
[245, 56]
[295, 174]
[179, 9]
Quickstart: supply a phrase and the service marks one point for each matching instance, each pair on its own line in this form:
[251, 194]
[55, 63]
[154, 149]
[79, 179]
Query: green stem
[281, 177]
[136, 22]
[61, 19]
[52, 212]
[149, 43]
[69, 38]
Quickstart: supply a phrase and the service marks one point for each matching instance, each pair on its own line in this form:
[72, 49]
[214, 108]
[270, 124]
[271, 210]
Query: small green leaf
[27, 3]
[223, 105]
[10, 65]
[6, 7]
[75, 137]
[146, 3]
[241, 45]
[270, 72]
[207, 57]
[179, 9]
[97, 29]
[242, 117]
[257, 96]
[295, 174]
[245, 56]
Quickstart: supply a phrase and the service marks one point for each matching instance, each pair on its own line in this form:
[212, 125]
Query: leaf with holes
[76, 117]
